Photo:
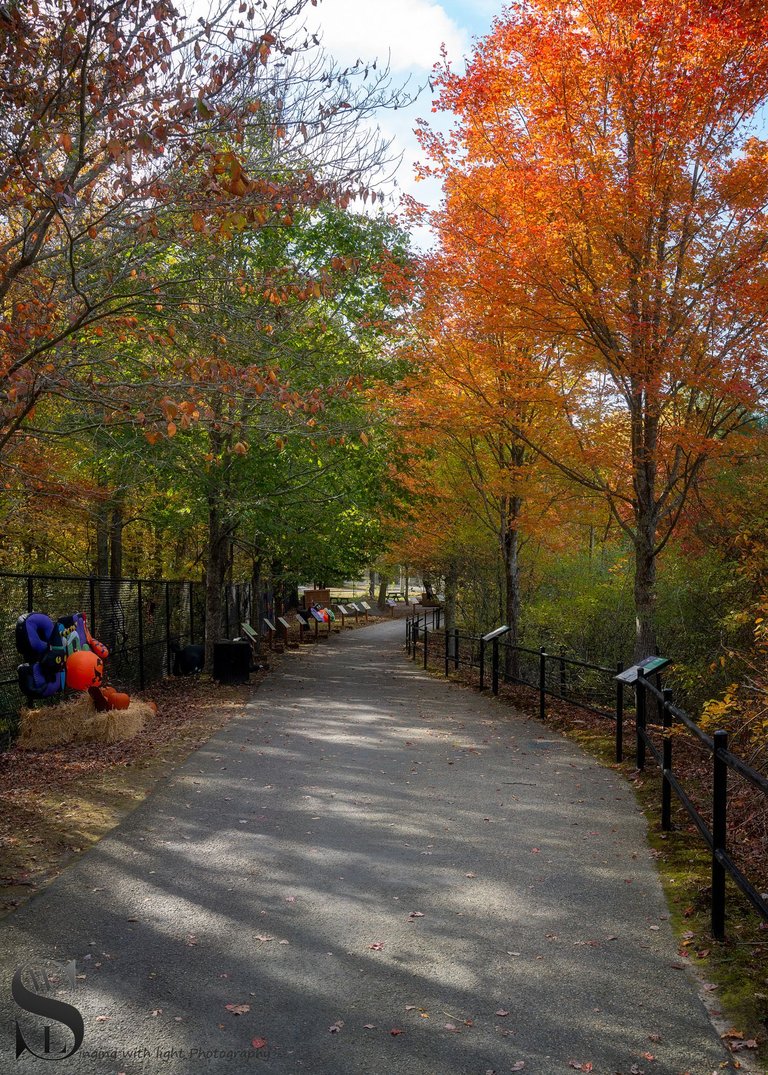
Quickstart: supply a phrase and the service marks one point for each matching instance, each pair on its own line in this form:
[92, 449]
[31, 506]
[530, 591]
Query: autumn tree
[604, 169]
[478, 394]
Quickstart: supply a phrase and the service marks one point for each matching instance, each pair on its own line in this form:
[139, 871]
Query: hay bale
[115, 724]
[52, 725]
[76, 721]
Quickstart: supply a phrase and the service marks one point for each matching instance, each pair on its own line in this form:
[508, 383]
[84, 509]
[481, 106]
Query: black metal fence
[595, 688]
[136, 618]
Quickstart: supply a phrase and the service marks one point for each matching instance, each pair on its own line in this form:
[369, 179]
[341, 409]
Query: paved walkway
[394, 875]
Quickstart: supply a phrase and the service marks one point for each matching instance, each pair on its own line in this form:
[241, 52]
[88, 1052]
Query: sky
[409, 35]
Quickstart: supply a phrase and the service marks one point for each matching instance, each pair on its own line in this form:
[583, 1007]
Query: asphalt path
[371, 871]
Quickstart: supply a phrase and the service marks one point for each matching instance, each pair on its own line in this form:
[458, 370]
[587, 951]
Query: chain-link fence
[137, 619]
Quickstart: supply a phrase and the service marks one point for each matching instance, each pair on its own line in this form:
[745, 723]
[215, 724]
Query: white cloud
[407, 33]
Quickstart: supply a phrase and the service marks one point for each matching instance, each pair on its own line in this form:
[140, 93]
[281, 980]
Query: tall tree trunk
[117, 522]
[102, 539]
[510, 543]
[383, 585]
[371, 584]
[451, 588]
[644, 466]
[218, 547]
[258, 607]
[645, 593]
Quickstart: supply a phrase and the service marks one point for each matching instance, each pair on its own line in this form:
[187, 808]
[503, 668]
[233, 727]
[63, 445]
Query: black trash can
[231, 661]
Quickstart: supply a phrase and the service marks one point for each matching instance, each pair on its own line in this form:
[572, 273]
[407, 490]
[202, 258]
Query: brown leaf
[395, 1031]
[377, 946]
[502, 1012]
[238, 1009]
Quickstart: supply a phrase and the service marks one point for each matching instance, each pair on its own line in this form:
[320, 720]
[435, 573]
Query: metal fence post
[542, 683]
[719, 832]
[140, 600]
[482, 664]
[562, 675]
[191, 612]
[495, 666]
[456, 647]
[666, 762]
[447, 654]
[30, 594]
[426, 643]
[619, 714]
[640, 718]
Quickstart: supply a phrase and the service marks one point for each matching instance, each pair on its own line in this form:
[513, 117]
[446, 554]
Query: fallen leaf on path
[334, 1028]
[502, 1012]
[518, 1065]
[368, 1026]
[452, 1027]
[259, 1043]
[263, 937]
[238, 1009]
[377, 946]
[416, 914]
[395, 1031]
[587, 1066]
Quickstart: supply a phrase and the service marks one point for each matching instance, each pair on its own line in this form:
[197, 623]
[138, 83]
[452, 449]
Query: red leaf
[259, 1043]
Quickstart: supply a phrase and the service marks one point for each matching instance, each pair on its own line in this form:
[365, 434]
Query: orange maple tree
[605, 174]
[476, 386]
